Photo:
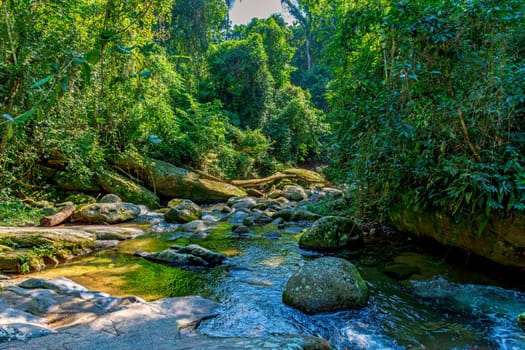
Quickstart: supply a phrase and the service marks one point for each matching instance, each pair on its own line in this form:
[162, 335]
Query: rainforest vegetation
[422, 101]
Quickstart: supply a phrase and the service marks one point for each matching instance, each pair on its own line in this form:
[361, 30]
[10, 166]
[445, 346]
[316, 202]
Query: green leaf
[93, 56]
[64, 83]
[86, 73]
[42, 82]
[24, 117]
[9, 134]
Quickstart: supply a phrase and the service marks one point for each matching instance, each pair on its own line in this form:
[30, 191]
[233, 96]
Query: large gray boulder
[324, 285]
[182, 211]
[332, 233]
[106, 213]
[170, 181]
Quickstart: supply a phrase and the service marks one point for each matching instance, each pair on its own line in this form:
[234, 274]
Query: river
[443, 305]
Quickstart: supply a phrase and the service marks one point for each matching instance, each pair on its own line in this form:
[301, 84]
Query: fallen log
[302, 175]
[58, 218]
[262, 182]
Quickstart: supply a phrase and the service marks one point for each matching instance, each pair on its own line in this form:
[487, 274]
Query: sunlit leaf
[42, 82]
[9, 134]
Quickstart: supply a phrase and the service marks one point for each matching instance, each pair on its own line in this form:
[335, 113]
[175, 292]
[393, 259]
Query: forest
[170, 180]
[423, 101]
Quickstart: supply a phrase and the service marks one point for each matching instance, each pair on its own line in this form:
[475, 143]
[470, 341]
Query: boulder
[182, 211]
[127, 189]
[294, 193]
[212, 259]
[192, 255]
[110, 198]
[501, 240]
[332, 233]
[106, 213]
[171, 257]
[324, 285]
[173, 182]
[521, 320]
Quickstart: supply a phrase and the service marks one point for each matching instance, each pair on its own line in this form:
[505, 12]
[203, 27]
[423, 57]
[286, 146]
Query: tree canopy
[421, 102]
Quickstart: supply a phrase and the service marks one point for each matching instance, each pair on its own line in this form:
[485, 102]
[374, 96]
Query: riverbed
[442, 304]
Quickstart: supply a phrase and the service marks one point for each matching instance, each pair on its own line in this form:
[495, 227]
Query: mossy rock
[324, 285]
[500, 240]
[400, 271]
[170, 181]
[32, 248]
[521, 320]
[332, 233]
[184, 211]
[106, 213]
[126, 189]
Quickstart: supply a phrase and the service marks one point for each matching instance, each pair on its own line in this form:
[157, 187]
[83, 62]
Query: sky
[243, 11]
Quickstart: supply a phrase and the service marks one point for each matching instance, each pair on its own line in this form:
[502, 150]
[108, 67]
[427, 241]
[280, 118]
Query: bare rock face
[106, 213]
[324, 285]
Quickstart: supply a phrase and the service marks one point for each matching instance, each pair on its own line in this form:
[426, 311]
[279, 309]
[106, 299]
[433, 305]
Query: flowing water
[441, 306]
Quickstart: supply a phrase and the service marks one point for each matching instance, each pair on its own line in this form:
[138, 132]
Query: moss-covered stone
[32, 249]
[184, 211]
[521, 320]
[500, 240]
[126, 189]
[332, 233]
[326, 284]
[170, 181]
[106, 213]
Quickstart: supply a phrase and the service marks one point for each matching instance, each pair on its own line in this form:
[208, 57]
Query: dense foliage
[426, 100]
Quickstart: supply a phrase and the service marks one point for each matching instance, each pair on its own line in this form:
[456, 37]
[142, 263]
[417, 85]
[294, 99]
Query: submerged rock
[501, 240]
[521, 320]
[106, 213]
[211, 258]
[326, 284]
[192, 255]
[331, 233]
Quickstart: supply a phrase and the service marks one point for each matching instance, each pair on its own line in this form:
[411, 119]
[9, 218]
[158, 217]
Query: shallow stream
[441, 306]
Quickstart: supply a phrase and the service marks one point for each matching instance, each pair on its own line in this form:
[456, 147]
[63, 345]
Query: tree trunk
[58, 218]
